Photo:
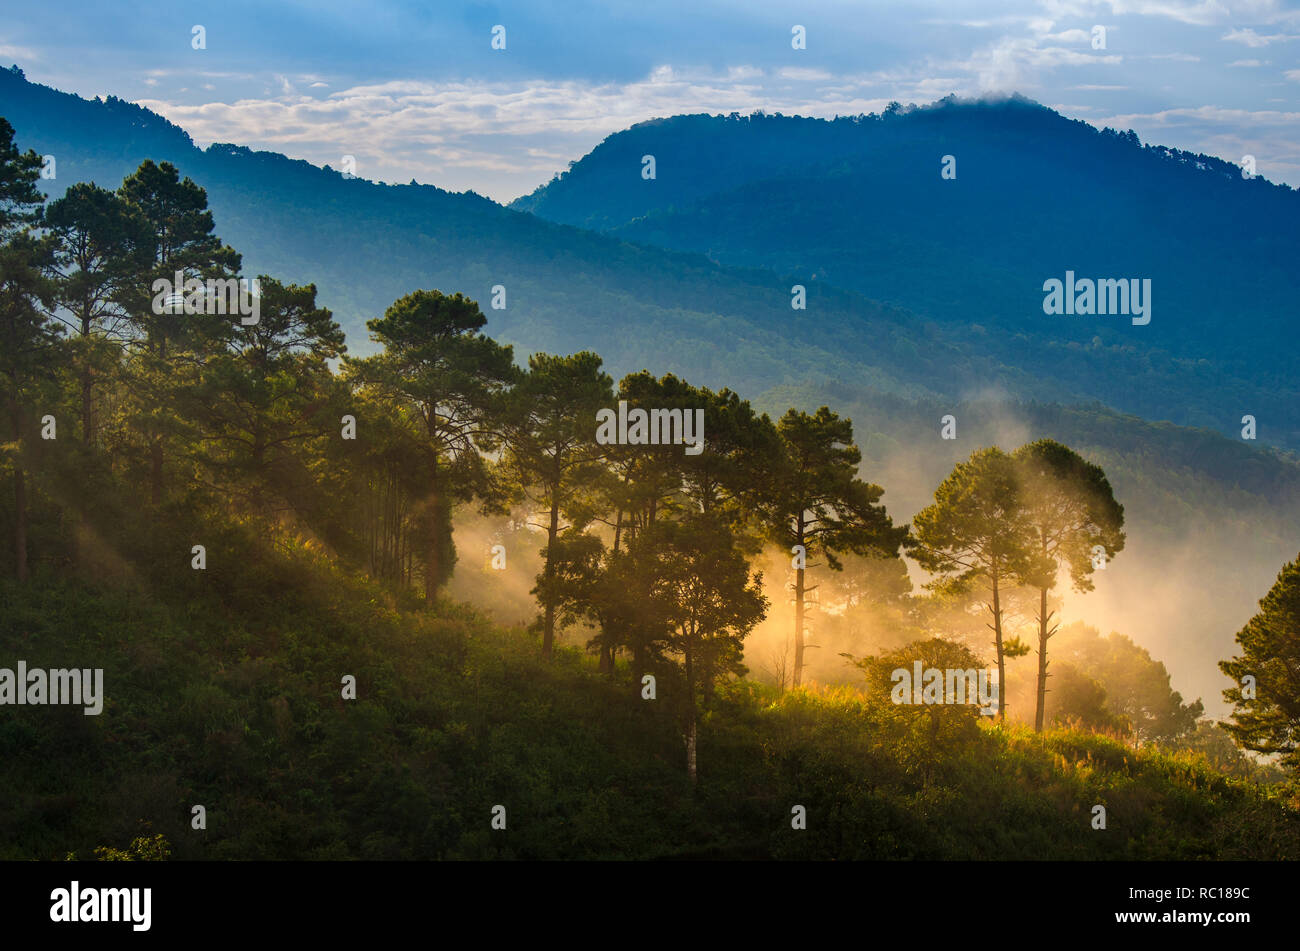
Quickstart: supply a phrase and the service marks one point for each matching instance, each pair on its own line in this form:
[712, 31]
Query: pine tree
[265, 393]
[183, 242]
[1266, 714]
[454, 378]
[703, 590]
[27, 336]
[102, 244]
[977, 531]
[1072, 512]
[813, 504]
[550, 439]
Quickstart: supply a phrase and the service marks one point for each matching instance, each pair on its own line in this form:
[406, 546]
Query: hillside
[860, 203]
[223, 690]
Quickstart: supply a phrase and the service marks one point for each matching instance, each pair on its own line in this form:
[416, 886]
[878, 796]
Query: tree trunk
[431, 555]
[797, 675]
[690, 749]
[87, 421]
[156, 447]
[690, 718]
[20, 521]
[606, 648]
[20, 486]
[1042, 660]
[156, 470]
[638, 665]
[432, 559]
[548, 625]
[997, 643]
[259, 461]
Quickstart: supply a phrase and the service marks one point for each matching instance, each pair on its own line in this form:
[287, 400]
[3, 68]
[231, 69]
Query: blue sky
[415, 90]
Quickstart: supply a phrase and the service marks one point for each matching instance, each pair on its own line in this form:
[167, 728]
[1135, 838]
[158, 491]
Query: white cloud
[1267, 134]
[804, 74]
[1014, 63]
[1211, 113]
[1264, 11]
[14, 54]
[1248, 63]
[501, 139]
[1070, 36]
[1194, 12]
[1255, 40]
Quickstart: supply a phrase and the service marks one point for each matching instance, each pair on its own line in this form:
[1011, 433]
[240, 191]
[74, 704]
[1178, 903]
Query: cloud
[1194, 12]
[1016, 62]
[1213, 113]
[15, 54]
[1070, 36]
[502, 138]
[1267, 134]
[804, 74]
[1264, 11]
[1255, 40]
[988, 23]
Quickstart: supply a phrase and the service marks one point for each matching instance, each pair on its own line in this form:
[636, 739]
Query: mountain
[365, 244]
[860, 203]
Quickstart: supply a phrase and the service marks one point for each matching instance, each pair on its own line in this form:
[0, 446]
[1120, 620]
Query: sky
[416, 91]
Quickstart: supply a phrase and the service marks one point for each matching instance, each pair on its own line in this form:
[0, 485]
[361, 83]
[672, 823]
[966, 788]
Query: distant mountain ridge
[861, 203]
[366, 244]
[964, 324]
